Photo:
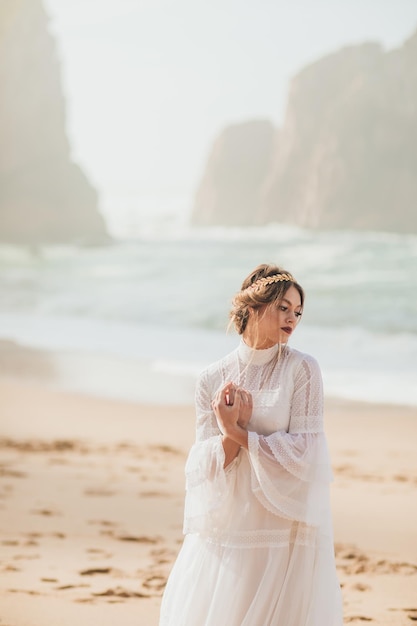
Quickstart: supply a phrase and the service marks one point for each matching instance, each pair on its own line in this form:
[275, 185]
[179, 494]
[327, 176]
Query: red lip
[287, 329]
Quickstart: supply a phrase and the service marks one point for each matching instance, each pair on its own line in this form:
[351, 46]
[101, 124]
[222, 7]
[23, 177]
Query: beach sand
[91, 500]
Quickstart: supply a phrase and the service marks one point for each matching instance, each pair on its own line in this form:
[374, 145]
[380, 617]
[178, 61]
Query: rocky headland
[44, 196]
[234, 175]
[345, 157]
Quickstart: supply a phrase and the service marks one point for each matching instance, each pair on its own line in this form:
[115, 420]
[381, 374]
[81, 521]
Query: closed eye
[285, 308]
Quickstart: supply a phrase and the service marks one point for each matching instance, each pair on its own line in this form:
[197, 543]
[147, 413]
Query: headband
[269, 280]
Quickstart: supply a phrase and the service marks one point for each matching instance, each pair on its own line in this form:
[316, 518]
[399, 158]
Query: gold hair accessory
[269, 280]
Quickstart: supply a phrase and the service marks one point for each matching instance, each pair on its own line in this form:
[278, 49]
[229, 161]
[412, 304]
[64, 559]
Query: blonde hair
[265, 292]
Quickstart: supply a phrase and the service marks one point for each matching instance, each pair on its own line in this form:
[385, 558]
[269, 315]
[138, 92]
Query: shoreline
[91, 503]
[116, 377]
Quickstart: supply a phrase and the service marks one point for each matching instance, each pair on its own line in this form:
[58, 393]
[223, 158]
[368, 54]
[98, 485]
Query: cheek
[276, 319]
[280, 316]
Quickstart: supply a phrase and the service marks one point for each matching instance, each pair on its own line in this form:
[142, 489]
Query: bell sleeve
[208, 484]
[290, 471]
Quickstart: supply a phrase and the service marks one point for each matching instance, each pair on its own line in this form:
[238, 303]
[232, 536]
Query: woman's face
[274, 323]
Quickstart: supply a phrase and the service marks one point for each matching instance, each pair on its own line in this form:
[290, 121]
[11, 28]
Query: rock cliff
[44, 196]
[346, 156]
[236, 168]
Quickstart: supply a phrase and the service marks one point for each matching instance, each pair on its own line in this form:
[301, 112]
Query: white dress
[258, 549]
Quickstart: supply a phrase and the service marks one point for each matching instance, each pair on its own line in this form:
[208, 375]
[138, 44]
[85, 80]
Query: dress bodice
[269, 412]
[263, 374]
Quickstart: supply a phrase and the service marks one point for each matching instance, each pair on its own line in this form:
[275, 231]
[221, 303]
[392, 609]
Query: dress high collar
[256, 357]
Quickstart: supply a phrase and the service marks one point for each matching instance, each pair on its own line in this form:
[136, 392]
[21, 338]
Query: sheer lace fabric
[269, 506]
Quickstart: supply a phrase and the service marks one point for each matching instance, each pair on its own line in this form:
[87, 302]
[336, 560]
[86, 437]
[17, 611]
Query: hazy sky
[150, 83]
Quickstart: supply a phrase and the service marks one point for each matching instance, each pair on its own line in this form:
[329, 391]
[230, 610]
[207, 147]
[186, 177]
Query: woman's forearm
[231, 449]
[238, 435]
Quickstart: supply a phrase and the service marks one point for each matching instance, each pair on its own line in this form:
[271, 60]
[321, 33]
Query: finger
[217, 399]
[248, 397]
[229, 393]
[237, 396]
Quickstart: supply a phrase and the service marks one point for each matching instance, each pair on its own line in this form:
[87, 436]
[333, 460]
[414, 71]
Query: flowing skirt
[215, 585]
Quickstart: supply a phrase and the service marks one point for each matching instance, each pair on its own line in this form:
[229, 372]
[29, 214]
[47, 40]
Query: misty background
[149, 84]
[136, 134]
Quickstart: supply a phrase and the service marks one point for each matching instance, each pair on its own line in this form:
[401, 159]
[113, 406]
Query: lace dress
[258, 549]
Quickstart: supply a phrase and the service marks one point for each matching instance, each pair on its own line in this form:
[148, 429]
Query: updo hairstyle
[247, 298]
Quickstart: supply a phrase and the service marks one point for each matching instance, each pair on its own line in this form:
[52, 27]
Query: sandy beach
[91, 498]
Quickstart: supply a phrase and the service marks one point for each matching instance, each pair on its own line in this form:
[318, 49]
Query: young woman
[258, 549]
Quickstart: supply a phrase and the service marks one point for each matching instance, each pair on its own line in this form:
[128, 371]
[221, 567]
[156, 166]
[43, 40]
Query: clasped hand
[232, 407]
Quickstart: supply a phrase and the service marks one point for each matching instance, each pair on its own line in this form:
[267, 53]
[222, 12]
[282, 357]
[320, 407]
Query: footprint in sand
[45, 512]
[26, 557]
[120, 592]
[58, 535]
[163, 556]
[353, 561]
[102, 522]
[109, 527]
[95, 550]
[412, 613]
[6, 491]
[400, 478]
[125, 445]
[98, 553]
[32, 537]
[99, 492]
[95, 570]
[42, 446]
[361, 587]
[139, 539]
[65, 587]
[11, 568]
[167, 450]
[155, 583]
[58, 461]
[30, 592]
[343, 469]
[5, 472]
[49, 580]
[154, 494]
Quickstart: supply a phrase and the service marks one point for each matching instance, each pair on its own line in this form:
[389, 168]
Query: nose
[291, 317]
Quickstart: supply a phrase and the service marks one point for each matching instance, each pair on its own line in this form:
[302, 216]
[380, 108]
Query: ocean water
[161, 301]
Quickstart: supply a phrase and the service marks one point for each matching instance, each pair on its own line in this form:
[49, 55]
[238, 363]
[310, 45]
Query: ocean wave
[160, 230]
[356, 363]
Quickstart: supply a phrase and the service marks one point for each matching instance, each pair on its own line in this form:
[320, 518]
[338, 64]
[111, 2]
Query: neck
[256, 342]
